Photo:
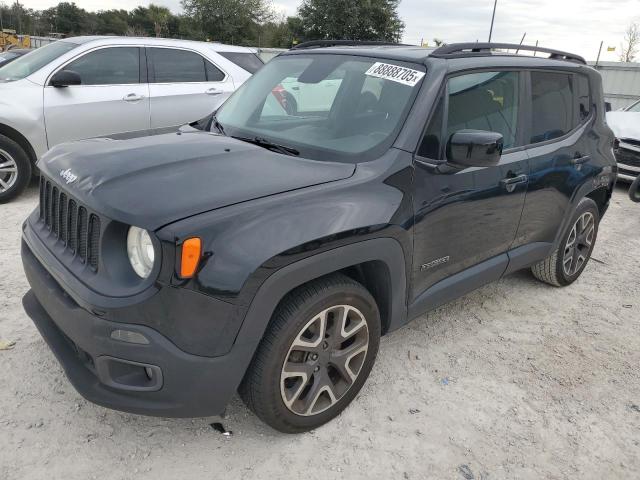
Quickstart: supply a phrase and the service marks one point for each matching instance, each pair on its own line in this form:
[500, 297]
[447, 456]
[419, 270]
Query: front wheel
[567, 262]
[316, 355]
[15, 169]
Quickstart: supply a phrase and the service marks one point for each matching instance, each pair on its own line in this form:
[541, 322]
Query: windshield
[34, 61]
[329, 107]
[634, 108]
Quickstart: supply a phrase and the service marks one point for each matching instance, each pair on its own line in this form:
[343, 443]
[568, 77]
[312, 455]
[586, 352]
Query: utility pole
[599, 51]
[495, 4]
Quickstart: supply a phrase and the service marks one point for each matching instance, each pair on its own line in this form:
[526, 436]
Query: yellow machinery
[9, 39]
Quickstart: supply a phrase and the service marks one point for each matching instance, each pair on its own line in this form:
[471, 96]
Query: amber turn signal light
[191, 255]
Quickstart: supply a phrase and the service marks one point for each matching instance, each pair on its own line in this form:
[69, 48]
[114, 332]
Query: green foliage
[352, 19]
[229, 21]
[240, 22]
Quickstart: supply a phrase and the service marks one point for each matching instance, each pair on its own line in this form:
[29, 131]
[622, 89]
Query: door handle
[132, 97]
[578, 160]
[510, 183]
[213, 91]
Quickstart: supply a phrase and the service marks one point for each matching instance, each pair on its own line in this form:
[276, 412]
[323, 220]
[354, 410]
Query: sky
[577, 26]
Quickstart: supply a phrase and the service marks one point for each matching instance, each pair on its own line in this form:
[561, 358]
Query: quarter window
[108, 66]
[181, 66]
[584, 98]
[552, 106]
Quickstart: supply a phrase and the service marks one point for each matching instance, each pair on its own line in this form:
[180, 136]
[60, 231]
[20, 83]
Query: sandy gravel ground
[516, 380]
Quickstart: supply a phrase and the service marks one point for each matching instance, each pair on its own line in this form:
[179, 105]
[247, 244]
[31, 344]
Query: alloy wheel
[8, 171]
[324, 360]
[576, 251]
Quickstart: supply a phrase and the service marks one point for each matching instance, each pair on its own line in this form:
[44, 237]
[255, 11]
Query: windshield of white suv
[325, 107]
[634, 108]
[34, 61]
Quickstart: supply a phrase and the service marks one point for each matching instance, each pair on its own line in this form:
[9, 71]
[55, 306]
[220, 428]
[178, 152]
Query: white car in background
[87, 87]
[626, 127]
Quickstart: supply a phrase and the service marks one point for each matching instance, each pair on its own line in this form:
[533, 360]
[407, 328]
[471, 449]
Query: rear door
[184, 86]
[558, 147]
[466, 217]
[112, 99]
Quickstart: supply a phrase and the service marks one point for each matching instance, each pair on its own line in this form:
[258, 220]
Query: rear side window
[180, 66]
[552, 106]
[108, 66]
[247, 61]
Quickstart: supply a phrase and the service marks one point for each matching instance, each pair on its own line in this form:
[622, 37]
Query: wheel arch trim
[20, 139]
[275, 288]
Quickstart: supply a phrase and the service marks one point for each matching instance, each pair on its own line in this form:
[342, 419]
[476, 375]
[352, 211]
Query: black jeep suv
[341, 192]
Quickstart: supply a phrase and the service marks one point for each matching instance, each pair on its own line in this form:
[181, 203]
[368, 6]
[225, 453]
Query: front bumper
[628, 158]
[156, 378]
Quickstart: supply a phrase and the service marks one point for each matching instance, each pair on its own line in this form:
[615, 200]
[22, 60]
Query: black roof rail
[343, 43]
[482, 49]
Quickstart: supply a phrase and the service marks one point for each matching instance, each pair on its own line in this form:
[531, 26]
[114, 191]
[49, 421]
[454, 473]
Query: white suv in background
[121, 87]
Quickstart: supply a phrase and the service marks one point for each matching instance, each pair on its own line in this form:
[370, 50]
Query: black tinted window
[108, 66]
[431, 145]
[552, 106]
[214, 74]
[177, 66]
[584, 97]
[248, 61]
[485, 101]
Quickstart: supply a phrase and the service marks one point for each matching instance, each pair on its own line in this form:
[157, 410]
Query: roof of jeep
[403, 53]
[488, 52]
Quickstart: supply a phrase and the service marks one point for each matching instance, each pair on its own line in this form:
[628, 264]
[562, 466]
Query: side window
[584, 98]
[485, 101]
[552, 106]
[431, 146]
[214, 74]
[108, 66]
[181, 66]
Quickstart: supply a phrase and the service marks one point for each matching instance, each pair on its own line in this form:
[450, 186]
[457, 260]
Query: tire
[567, 262]
[289, 402]
[15, 169]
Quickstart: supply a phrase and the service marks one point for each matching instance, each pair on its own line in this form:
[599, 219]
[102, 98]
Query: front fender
[247, 242]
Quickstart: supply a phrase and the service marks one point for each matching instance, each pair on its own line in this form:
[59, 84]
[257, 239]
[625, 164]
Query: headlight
[141, 251]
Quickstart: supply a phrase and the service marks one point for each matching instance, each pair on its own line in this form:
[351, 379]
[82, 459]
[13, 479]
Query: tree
[229, 21]
[629, 49]
[438, 42]
[160, 17]
[352, 19]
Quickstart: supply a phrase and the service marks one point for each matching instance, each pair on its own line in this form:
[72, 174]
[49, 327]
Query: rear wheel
[15, 169]
[315, 356]
[567, 262]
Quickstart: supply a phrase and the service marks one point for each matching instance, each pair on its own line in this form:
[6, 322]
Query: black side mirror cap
[65, 78]
[607, 106]
[634, 191]
[474, 148]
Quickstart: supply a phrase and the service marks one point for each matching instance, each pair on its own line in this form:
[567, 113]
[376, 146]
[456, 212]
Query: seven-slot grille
[71, 223]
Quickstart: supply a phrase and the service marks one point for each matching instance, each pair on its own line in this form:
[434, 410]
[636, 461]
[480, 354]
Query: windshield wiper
[217, 124]
[263, 142]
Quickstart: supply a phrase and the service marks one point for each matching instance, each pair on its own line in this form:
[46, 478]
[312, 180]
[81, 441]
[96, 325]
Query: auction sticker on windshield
[403, 75]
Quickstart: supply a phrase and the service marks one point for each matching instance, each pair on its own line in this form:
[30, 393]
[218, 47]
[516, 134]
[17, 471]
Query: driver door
[465, 219]
[112, 99]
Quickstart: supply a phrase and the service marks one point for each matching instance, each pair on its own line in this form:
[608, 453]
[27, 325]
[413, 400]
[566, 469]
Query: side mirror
[607, 106]
[65, 78]
[634, 191]
[474, 148]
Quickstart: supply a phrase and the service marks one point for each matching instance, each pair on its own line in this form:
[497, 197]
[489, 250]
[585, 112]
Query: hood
[153, 181]
[624, 124]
